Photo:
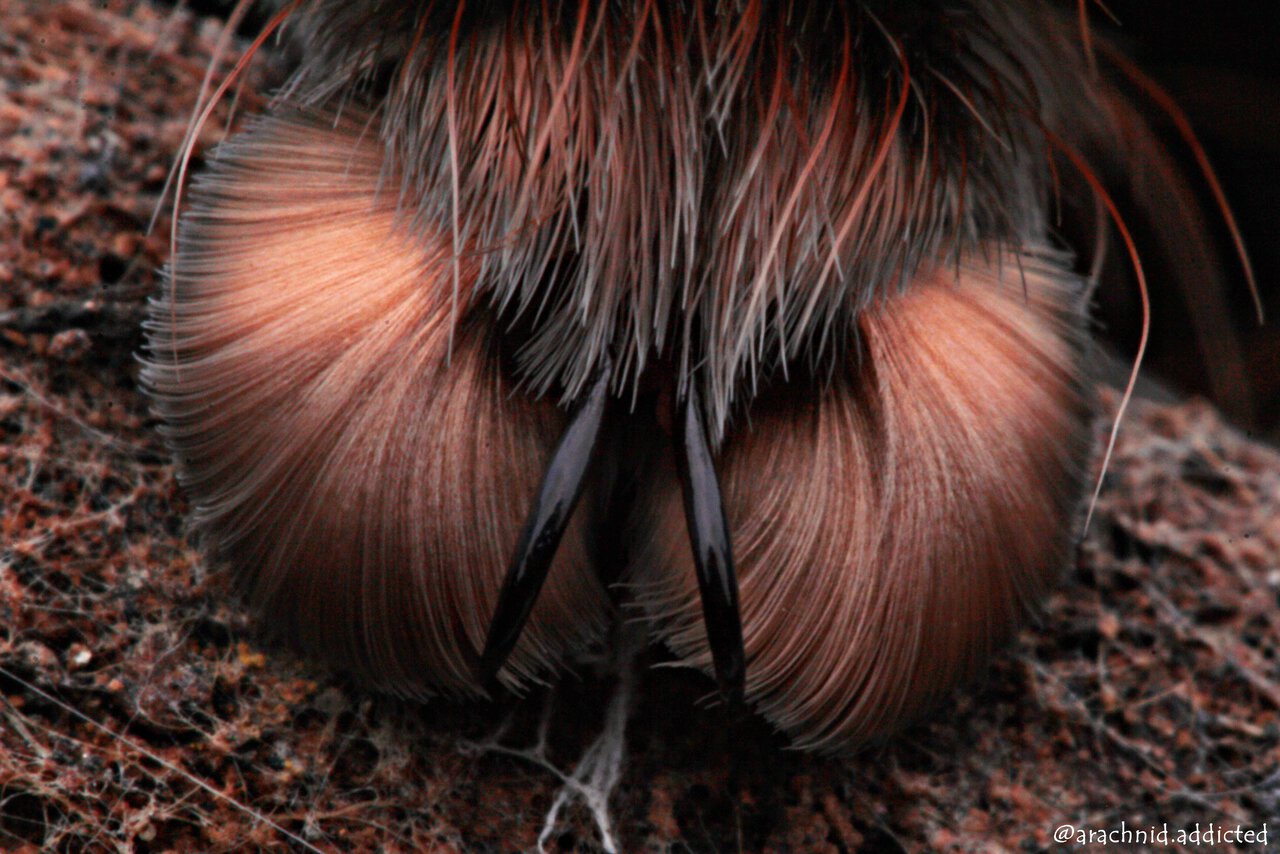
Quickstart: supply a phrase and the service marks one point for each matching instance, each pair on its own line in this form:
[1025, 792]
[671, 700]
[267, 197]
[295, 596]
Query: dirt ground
[139, 713]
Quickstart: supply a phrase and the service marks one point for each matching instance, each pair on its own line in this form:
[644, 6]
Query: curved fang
[712, 552]
[557, 495]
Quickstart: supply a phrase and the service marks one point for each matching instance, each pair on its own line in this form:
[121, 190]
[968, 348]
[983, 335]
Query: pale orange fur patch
[367, 485]
[892, 528]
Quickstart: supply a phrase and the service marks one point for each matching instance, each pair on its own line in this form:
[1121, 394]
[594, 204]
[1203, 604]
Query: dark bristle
[749, 176]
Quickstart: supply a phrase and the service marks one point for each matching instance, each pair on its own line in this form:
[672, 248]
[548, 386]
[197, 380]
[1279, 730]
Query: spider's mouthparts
[557, 497]
[558, 494]
[712, 549]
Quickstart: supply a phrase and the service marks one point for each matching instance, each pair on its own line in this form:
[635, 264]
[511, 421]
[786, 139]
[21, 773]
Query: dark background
[1221, 63]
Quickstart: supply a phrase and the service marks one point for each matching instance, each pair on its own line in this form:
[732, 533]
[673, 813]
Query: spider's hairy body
[830, 222]
[727, 184]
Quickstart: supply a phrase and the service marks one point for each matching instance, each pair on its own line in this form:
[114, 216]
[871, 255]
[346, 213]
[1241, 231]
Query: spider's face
[787, 272]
